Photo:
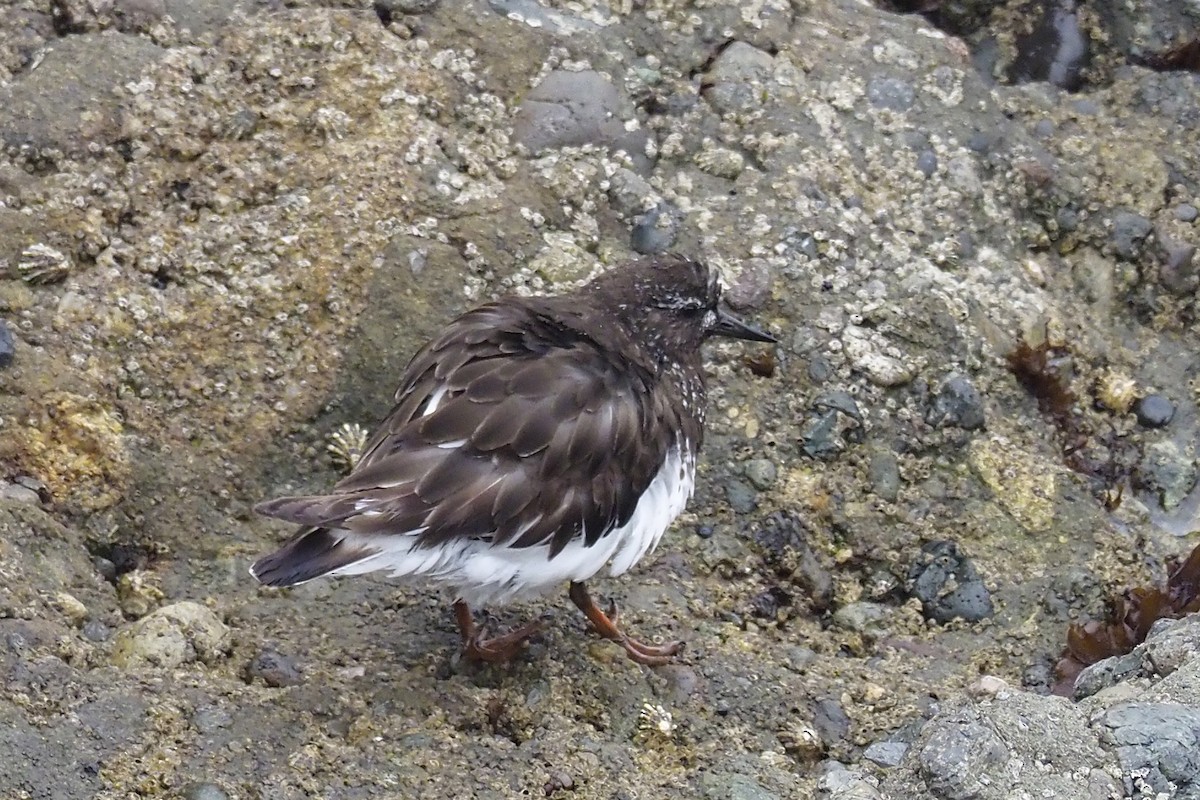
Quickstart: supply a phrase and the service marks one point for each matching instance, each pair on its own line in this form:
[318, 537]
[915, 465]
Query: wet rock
[170, 637]
[70, 100]
[8, 347]
[863, 617]
[1186, 212]
[927, 162]
[1024, 489]
[761, 472]
[867, 354]
[883, 470]
[96, 631]
[1129, 232]
[948, 585]
[768, 603]
[575, 108]
[738, 79]
[1160, 742]
[1167, 471]
[656, 230]
[782, 540]
[891, 93]
[830, 721]
[957, 404]
[839, 782]
[1178, 271]
[741, 496]
[752, 288]
[885, 754]
[405, 6]
[1056, 50]
[834, 423]
[204, 791]
[274, 669]
[1154, 411]
[991, 750]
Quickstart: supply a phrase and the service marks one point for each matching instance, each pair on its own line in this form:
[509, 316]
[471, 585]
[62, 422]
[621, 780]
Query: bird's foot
[478, 646]
[605, 625]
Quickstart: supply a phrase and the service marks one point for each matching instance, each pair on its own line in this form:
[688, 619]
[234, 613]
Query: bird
[533, 441]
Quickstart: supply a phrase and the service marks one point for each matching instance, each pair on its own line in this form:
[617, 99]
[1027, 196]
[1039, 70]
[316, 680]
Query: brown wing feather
[546, 440]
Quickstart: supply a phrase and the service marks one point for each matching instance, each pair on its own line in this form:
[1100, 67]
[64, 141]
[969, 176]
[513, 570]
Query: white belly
[482, 574]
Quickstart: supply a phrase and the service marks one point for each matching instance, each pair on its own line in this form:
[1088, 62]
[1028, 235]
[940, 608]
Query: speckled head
[672, 303]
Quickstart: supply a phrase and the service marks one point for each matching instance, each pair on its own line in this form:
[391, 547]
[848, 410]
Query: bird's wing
[513, 430]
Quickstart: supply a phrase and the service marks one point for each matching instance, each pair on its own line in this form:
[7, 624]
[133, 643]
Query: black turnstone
[533, 441]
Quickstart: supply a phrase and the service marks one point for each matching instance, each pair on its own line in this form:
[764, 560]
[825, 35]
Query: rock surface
[239, 219]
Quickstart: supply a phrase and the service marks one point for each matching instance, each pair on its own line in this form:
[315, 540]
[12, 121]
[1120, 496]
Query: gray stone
[948, 585]
[927, 162]
[204, 791]
[170, 637]
[1154, 411]
[738, 78]
[1178, 271]
[863, 617]
[575, 108]
[274, 669]
[1129, 231]
[406, 6]
[1168, 471]
[8, 346]
[95, 631]
[883, 470]
[69, 100]
[1186, 212]
[1160, 741]
[891, 93]
[885, 754]
[198, 18]
[741, 496]
[655, 231]
[957, 404]
[761, 472]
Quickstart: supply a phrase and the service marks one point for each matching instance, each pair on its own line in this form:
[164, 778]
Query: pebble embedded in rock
[883, 470]
[862, 617]
[927, 163]
[170, 637]
[741, 496]
[204, 791]
[96, 631]
[1154, 411]
[655, 231]
[1167, 470]
[1128, 232]
[891, 93]
[8, 346]
[957, 404]
[576, 108]
[274, 669]
[1186, 212]
[761, 472]
[948, 585]
[738, 77]
[885, 754]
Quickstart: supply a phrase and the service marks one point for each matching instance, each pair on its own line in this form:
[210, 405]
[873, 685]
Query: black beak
[729, 325]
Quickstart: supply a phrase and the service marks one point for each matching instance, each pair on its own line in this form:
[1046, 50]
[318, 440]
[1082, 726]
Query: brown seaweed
[1134, 611]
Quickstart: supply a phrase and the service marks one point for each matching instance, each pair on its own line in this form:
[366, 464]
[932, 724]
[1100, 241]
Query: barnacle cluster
[40, 263]
[346, 444]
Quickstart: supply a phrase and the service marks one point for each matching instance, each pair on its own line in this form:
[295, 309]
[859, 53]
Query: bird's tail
[313, 552]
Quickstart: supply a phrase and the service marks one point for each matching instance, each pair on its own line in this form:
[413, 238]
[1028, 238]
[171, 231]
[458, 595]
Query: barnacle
[346, 444]
[40, 263]
[1116, 392]
[655, 719]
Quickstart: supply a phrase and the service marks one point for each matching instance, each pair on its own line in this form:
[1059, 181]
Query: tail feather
[313, 510]
[312, 553]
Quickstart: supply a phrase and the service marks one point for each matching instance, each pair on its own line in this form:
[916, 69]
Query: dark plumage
[532, 441]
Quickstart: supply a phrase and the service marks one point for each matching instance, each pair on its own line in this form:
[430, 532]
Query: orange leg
[605, 625]
[493, 649]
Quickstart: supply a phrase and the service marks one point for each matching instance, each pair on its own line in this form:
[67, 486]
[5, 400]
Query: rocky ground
[225, 224]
